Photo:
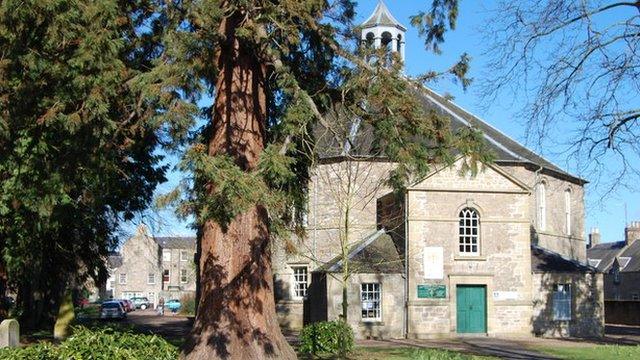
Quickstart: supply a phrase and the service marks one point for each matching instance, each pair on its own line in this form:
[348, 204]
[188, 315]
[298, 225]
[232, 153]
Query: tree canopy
[80, 123]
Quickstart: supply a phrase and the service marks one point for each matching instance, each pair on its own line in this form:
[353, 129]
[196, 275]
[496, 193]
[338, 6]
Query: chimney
[632, 232]
[594, 237]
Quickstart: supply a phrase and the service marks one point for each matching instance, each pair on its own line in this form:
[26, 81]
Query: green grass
[398, 353]
[598, 352]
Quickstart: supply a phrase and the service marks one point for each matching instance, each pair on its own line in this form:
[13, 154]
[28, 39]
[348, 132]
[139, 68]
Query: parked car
[129, 305]
[141, 303]
[112, 310]
[174, 305]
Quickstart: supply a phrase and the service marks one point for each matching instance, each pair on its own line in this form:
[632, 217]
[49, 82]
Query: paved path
[502, 348]
[175, 328]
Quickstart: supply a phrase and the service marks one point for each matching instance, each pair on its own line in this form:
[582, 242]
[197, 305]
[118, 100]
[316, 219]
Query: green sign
[432, 291]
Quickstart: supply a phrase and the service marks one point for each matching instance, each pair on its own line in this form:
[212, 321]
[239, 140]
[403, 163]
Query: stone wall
[503, 264]
[392, 306]
[587, 312]
[141, 256]
[334, 187]
[555, 237]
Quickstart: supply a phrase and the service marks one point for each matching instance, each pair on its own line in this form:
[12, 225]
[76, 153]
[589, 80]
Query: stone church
[499, 253]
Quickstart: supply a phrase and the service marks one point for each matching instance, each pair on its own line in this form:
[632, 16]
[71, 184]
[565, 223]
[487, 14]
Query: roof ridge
[454, 104]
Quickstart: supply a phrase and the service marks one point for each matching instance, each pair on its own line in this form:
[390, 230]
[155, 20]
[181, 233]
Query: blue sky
[607, 215]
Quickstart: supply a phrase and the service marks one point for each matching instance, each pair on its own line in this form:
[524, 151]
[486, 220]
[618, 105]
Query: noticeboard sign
[432, 291]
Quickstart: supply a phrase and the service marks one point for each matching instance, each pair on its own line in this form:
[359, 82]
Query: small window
[300, 281]
[567, 211]
[541, 202]
[184, 255]
[469, 232]
[151, 278]
[562, 302]
[635, 297]
[183, 275]
[370, 294]
[166, 255]
[166, 275]
[123, 279]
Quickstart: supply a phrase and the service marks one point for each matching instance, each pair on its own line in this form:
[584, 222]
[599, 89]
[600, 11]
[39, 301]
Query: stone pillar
[377, 43]
[9, 333]
[394, 44]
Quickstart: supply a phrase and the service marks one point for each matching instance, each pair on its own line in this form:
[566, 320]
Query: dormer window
[623, 261]
[469, 232]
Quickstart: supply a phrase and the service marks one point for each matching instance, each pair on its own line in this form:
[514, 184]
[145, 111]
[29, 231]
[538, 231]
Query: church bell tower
[382, 30]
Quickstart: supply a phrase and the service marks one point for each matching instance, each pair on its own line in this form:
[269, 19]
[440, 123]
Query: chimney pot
[632, 232]
[594, 237]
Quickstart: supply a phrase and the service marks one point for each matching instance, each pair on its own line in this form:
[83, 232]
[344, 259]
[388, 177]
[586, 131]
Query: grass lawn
[397, 353]
[598, 352]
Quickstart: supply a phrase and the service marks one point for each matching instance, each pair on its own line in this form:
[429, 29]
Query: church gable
[489, 179]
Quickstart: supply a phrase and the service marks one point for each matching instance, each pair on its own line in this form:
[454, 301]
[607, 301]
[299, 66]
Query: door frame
[482, 289]
[485, 280]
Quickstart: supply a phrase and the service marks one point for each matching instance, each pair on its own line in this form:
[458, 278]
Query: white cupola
[381, 29]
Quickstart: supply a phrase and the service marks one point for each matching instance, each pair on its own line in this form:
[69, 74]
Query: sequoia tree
[81, 119]
[273, 69]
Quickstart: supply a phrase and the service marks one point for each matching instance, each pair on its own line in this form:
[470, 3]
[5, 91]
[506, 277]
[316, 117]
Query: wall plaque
[432, 291]
[432, 263]
[505, 295]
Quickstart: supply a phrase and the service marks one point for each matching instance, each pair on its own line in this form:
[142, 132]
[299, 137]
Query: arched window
[567, 211]
[370, 39]
[541, 204]
[469, 232]
[399, 48]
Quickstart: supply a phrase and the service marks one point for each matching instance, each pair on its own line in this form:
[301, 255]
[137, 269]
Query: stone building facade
[153, 267]
[498, 253]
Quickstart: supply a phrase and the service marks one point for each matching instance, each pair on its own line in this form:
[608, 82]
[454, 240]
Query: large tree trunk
[236, 311]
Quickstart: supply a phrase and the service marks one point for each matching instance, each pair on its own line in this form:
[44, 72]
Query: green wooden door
[471, 308]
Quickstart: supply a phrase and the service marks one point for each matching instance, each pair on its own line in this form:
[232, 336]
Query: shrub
[97, 344]
[327, 337]
[188, 305]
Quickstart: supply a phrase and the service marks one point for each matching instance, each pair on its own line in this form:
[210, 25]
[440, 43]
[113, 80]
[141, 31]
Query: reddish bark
[236, 313]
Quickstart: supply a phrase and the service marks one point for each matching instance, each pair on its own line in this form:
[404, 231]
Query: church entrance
[471, 305]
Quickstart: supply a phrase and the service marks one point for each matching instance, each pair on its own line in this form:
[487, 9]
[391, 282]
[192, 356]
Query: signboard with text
[432, 291]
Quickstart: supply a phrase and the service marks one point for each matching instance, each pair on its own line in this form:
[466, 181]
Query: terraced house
[502, 252]
[153, 267]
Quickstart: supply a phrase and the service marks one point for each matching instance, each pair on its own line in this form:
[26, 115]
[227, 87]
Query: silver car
[112, 310]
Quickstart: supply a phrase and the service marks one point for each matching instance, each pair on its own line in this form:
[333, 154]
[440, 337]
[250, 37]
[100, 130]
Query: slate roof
[606, 253]
[543, 260]
[176, 242]
[382, 17]
[609, 252]
[352, 136]
[374, 254]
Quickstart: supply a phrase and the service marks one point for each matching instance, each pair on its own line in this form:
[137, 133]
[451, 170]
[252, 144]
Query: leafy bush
[97, 344]
[188, 305]
[327, 337]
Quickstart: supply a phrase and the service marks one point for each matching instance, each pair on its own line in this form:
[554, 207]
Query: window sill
[372, 322]
[470, 258]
